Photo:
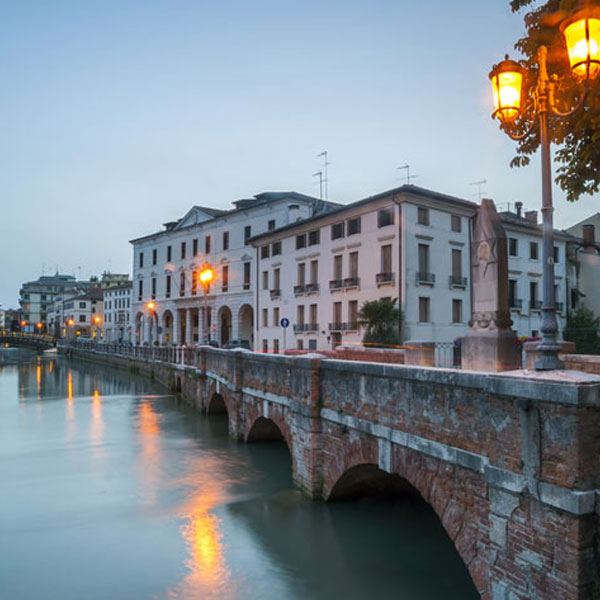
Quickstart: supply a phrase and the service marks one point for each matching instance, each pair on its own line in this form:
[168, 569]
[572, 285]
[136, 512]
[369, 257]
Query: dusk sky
[116, 117]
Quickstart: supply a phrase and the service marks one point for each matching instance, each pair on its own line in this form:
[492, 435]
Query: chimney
[589, 234]
[519, 208]
[531, 216]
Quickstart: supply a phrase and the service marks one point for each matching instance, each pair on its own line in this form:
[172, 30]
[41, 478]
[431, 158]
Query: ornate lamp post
[581, 32]
[150, 306]
[206, 276]
[97, 320]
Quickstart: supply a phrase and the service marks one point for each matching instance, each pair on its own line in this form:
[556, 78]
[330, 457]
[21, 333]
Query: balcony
[335, 326]
[275, 294]
[299, 327]
[456, 281]
[312, 327]
[299, 289]
[351, 282]
[311, 288]
[515, 303]
[384, 278]
[424, 278]
[350, 326]
[336, 284]
[535, 304]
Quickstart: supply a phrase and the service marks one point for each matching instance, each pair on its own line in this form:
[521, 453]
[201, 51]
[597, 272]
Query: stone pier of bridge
[509, 462]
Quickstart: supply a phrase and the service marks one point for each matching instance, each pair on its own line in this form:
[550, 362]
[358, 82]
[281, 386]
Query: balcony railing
[336, 326]
[275, 294]
[381, 278]
[336, 284]
[457, 281]
[535, 304]
[351, 282]
[312, 287]
[299, 289]
[425, 278]
[515, 303]
[300, 327]
[312, 327]
[350, 326]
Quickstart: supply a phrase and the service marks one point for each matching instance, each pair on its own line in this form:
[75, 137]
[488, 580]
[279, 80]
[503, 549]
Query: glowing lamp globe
[206, 276]
[582, 36]
[507, 84]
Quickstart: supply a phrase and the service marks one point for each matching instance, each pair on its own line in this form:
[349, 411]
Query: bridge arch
[458, 496]
[269, 429]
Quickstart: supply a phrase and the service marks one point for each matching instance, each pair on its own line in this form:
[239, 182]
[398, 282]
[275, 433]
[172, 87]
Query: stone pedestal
[491, 350]
[531, 353]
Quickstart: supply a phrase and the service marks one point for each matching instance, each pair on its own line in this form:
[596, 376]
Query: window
[247, 233]
[555, 254]
[300, 241]
[195, 247]
[207, 244]
[385, 217]
[276, 346]
[457, 264]
[533, 250]
[353, 265]
[168, 253]
[337, 267]
[456, 224]
[154, 256]
[264, 252]
[353, 226]
[141, 260]
[276, 316]
[300, 315]
[314, 237]
[182, 250]
[337, 314]
[312, 344]
[314, 272]
[153, 287]
[422, 216]
[140, 289]
[265, 280]
[386, 258]
[226, 240]
[533, 294]
[271, 225]
[423, 258]
[225, 279]
[168, 282]
[265, 345]
[301, 271]
[300, 344]
[513, 247]
[265, 317]
[337, 231]
[247, 275]
[276, 248]
[313, 315]
[182, 284]
[194, 282]
[457, 311]
[277, 279]
[424, 304]
[353, 313]
[82, 305]
[82, 318]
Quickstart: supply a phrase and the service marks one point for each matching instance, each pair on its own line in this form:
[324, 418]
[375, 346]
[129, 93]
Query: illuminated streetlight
[206, 276]
[582, 38]
[150, 306]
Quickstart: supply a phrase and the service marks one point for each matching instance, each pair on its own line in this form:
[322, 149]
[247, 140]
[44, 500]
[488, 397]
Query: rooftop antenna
[408, 175]
[479, 184]
[319, 174]
[326, 163]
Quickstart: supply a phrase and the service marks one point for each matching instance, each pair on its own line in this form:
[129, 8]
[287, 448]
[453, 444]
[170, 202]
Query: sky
[117, 116]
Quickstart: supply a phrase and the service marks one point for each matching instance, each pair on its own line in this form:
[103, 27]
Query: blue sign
[284, 322]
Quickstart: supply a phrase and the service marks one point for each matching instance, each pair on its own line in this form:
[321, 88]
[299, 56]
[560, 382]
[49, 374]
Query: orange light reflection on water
[97, 424]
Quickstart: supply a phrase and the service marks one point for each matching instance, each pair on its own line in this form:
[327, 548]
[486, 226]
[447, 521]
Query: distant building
[2, 318]
[82, 314]
[117, 312]
[167, 264]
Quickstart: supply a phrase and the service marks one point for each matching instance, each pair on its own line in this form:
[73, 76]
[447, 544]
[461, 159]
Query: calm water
[113, 489]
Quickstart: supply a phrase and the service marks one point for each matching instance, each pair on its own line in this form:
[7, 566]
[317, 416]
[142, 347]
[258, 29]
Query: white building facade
[169, 304]
[117, 313]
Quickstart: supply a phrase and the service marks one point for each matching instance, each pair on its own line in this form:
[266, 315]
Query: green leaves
[382, 319]
[583, 328]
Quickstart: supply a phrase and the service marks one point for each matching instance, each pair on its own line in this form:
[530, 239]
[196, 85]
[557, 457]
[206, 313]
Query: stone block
[531, 353]
[491, 350]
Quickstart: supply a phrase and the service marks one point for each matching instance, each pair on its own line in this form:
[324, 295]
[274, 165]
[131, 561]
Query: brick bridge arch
[458, 496]
[258, 427]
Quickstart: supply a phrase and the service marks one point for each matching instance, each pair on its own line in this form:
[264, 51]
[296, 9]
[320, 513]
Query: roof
[511, 218]
[404, 189]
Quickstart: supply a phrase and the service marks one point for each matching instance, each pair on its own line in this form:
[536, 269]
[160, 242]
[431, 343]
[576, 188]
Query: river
[113, 488]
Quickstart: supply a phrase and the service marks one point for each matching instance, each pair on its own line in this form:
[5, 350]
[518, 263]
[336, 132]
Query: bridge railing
[24, 335]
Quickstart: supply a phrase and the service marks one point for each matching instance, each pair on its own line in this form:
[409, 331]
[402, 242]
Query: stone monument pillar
[490, 344]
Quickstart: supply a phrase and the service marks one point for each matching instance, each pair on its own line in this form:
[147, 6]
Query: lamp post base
[548, 360]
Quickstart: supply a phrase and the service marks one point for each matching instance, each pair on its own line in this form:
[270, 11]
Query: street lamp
[581, 33]
[97, 320]
[206, 276]
[150, 306]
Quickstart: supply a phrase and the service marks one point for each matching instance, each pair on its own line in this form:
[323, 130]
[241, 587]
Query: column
[177, 328]
[189, 328]
[147, 329]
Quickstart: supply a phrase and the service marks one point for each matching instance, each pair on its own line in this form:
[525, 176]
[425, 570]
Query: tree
[382, 319]
[579, 135]
[583, 328]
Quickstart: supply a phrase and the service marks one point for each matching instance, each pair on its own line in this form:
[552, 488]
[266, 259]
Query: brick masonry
[510, 463]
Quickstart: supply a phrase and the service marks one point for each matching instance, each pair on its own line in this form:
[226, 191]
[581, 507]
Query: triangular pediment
[194, 216]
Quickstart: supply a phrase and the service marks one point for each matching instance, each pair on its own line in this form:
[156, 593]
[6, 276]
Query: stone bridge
[27, 340]
[509, 462]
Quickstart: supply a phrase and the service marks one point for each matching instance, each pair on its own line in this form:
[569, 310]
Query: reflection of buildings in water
[97, 422]
[148, 426]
